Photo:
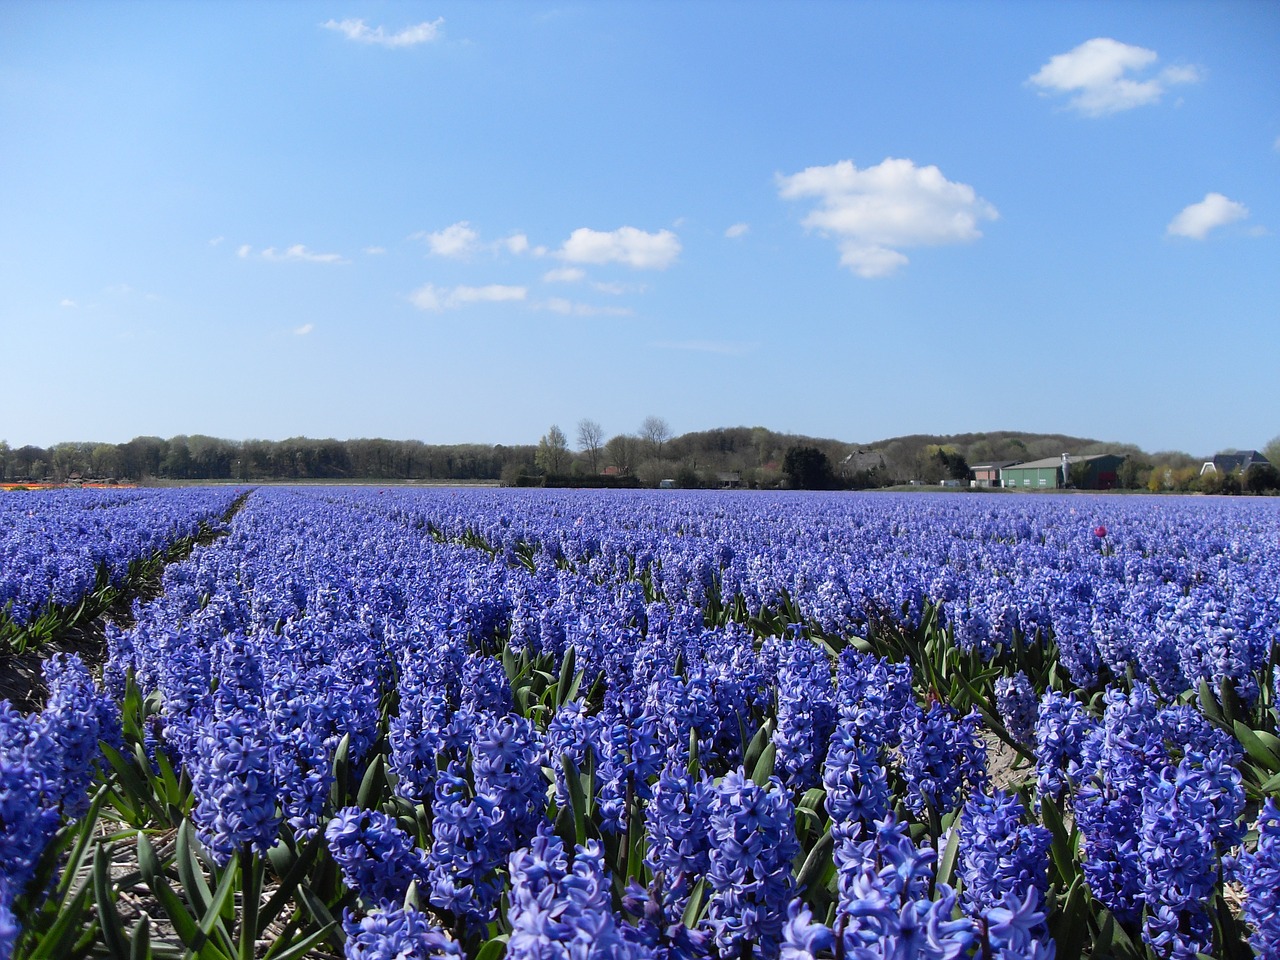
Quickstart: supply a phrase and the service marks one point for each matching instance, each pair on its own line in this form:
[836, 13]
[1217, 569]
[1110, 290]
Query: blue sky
[465, 222]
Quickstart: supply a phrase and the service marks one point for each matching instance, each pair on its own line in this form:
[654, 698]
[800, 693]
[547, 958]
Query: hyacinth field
[435, 723]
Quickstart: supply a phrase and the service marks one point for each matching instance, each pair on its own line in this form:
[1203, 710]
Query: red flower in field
[1099, 531]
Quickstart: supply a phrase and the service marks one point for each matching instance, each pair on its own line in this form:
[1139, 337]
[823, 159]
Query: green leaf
[693, 909]
[1209, 704]
[178, 798]
[577, 797]
[947, 862]
[1070, 923]
[567, 669]
[59, 941]
[175, 910]
[140, 946]
[319, 912]
[1256, 749]
[756, 747]
[763, 769]
[136, 793]
[493, 949]
[816, 862]
[190, 871]
[371, 784]
[1232, 708]
[308, 943]
[108, 916]
[341, 772]
[1062, 846]
[212, 919]
[298, 868]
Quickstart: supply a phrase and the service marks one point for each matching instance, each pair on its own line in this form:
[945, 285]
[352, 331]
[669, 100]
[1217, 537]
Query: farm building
[1095, 472]
[988, 474]
[1239, 461]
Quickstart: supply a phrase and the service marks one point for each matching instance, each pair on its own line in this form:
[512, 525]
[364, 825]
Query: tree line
[651, 455]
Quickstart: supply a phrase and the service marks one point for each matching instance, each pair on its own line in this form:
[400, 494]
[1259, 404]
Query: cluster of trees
[653, 455]
[298, 458]
[732, 456]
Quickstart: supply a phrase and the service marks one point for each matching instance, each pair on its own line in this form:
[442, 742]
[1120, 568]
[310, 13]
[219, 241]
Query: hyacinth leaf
[1231, 934]
[295, 869]
[693, 766]
[1209, 705]
[566, 673]
[1062, 845]
[59, 941]
[250, 900]
[184, 923]
[108, 916]
[140, 939]
[763, 768]
[136, 796]
[372, 784]
[211, 922]
[1069, 923]
[577, 798]
[697, 901]
[1112, 938]
[946, 870]
[320, 914]
[1269, 740]
[199, 894]
[816, 863]
[756, 747]
[1233, 708]
[306, 945]
[341, 772]
[1256, 748]
[178, 798]
[493, 949]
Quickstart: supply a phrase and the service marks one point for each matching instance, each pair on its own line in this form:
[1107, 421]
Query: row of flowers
[57, 546]
[460, 724]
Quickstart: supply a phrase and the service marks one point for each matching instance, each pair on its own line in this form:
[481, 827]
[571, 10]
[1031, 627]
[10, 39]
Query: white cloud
[358, 31]
[457, 240]
[215, 241]
[303, 330]
[728, 348]
[635, 248]
[564, 275]
[570, 308]
[492, 293]
[428, 297]
[119, 289]
[375, 251]
[616, 289]
[1276, 146]
[895, 204]
[1215, 210]
[517, 243]
[244, 251]
[1100, 74]
[297, 252]
[737, 230]
[433, 298]
[66, 302]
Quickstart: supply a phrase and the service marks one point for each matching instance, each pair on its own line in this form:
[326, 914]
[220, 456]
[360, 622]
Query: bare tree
[655, 432]
[591, 440]
[621, 451]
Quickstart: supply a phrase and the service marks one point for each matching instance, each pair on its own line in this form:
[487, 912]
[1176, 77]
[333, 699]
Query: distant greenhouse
[1095, 472]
